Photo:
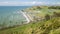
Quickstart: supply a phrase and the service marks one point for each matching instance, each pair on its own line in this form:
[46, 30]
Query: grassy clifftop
[51, 25]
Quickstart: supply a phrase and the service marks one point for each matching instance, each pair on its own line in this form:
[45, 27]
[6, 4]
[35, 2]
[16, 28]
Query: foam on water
[10, 16]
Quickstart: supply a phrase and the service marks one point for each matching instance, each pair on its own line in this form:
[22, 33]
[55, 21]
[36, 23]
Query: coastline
[25, 15]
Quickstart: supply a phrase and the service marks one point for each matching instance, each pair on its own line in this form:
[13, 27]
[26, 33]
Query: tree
[47, 17]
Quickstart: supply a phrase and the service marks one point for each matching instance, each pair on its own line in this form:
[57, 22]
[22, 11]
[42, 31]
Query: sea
[11, 15]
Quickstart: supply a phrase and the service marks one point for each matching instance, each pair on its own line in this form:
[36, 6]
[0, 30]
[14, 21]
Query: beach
[27, 16]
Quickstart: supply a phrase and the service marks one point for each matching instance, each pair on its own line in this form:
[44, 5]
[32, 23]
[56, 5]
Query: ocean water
[10, 15]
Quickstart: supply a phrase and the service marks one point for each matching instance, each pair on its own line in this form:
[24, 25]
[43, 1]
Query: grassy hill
[38, 12]
[47, 26]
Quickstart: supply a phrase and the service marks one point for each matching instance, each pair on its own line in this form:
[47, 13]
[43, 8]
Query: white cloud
[20, 3]
[33, 2]
[58, 3]
[55, 3]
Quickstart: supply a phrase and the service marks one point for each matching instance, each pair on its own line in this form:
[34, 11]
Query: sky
[28, 2]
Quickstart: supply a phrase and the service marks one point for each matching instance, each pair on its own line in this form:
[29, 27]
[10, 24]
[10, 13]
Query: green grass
[46, 27]
[51, 26]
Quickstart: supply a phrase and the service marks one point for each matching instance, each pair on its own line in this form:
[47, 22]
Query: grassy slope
[44, 27]
[47, 27]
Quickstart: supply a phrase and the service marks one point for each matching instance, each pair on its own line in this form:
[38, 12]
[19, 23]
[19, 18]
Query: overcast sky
[28, 2]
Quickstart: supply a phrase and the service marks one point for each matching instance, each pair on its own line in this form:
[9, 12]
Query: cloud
[39, 3]
[55, 3]
[31, 3]
[19, 3]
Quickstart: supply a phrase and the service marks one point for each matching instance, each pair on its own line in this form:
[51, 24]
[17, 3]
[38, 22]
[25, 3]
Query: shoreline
[28, 20]
[25, 15]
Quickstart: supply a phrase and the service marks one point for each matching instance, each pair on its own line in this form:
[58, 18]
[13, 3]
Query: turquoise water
[10, 15]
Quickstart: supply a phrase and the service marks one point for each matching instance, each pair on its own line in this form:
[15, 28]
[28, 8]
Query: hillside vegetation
[49, 25]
